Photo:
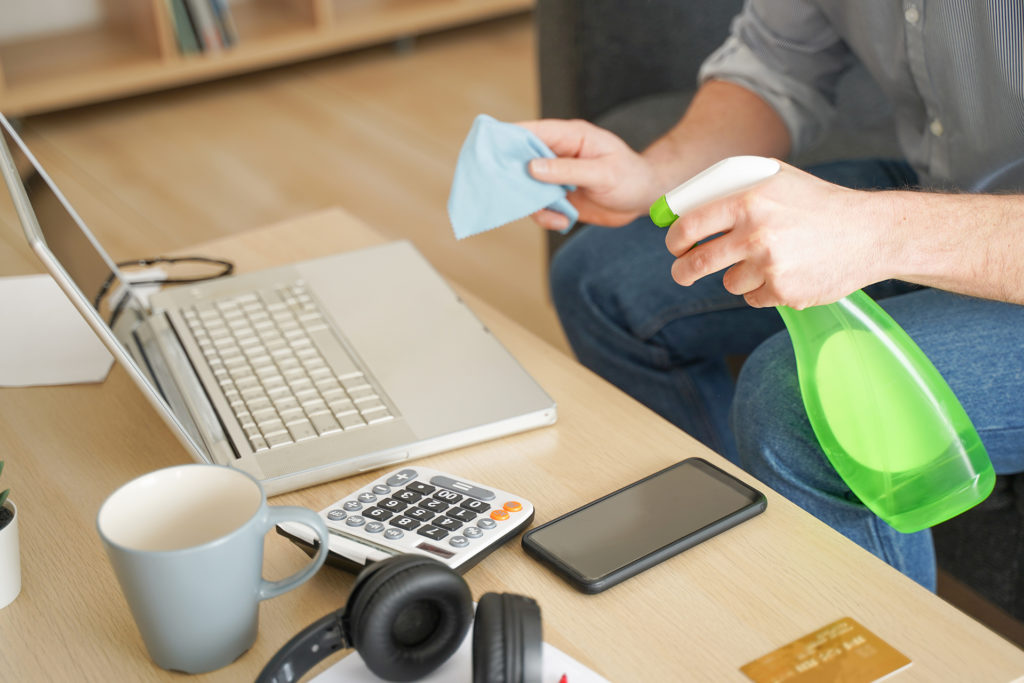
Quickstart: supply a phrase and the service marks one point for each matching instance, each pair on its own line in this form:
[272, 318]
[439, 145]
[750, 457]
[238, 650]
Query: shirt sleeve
[788, 53]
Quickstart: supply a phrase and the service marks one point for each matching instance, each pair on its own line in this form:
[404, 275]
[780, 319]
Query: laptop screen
[76, 260]
[89, 268]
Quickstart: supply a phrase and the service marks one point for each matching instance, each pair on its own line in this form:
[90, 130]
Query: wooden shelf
[131, 55]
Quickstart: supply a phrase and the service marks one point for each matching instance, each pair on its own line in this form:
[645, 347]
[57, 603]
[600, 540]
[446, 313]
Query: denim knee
[768, 416]
[568, 266]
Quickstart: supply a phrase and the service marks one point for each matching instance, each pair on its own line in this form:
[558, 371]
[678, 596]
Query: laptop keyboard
[285, 374]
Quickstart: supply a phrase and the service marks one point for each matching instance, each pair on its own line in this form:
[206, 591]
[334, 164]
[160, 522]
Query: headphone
[406, 615]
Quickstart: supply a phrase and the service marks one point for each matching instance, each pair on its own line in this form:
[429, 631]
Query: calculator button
[355, 520]
[403, 522]
[513, 506]
[420, 514]
[374, 527]
[367, 497]
[378, 513]
[500, 515]
[468, 489]
[433, 505]
[408, 496]
[432, 532]
[475, 505]
[393, 534]
[486, 523]
[381, 489]
[393, 505]
[461, 514]
[420, 487]
[447, 523]
[353, 505]
[472, 532]
[459, 541]
[401, 477]
[449, 497]
[336, 515]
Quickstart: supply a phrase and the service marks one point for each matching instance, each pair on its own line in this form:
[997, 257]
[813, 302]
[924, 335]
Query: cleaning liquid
[884, 416]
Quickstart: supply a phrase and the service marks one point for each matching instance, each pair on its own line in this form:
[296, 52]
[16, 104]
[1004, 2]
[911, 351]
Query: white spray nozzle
[727, 176]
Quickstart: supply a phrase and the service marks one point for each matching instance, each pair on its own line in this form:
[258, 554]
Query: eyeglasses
[225, 268]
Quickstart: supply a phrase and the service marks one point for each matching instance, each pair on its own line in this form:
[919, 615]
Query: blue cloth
[666, 346]
[492, 186]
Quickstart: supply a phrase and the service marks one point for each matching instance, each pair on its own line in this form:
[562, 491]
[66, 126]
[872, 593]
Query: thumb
[585, 173]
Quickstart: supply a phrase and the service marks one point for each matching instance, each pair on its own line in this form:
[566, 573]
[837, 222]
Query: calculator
[419, 511]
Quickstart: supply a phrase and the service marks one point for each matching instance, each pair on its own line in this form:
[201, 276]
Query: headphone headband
[306, 649]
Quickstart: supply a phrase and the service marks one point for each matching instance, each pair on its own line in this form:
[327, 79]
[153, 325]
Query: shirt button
[912, 15]
[936, 127]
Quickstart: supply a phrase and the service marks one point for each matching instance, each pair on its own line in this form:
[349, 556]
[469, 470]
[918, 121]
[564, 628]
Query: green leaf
[3, 497]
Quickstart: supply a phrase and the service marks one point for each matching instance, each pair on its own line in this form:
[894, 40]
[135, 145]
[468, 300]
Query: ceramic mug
[186, 543]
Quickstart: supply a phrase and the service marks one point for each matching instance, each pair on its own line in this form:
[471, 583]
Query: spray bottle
[884, 416]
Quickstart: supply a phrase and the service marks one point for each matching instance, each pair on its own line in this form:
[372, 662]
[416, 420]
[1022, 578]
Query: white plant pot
[10, 560]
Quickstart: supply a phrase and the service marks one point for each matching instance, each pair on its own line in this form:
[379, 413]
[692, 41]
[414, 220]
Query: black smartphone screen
[635, 527]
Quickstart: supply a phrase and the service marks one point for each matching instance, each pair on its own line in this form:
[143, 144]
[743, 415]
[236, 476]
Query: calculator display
[654, 513]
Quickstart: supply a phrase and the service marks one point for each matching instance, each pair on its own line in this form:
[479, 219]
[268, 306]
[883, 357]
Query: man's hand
[614, 184]
[790, 240]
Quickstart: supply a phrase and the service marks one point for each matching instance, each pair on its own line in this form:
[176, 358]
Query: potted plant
[10, 558]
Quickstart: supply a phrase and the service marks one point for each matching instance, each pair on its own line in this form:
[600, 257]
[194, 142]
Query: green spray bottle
[884, 416]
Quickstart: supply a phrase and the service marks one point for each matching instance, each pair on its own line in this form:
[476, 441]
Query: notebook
[299, 374]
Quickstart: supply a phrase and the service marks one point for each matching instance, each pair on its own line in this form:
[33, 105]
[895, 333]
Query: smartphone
[620, 535]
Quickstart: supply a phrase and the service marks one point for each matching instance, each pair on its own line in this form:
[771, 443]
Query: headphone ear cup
[507, 640]
[408, 616]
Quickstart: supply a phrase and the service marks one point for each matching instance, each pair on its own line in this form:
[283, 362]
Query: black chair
[632, 67]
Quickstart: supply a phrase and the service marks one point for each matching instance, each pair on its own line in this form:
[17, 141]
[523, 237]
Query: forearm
[970, 244]
[723, 120]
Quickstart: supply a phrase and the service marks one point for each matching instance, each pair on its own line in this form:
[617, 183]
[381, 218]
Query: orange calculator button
[499, 515]
[513, 506]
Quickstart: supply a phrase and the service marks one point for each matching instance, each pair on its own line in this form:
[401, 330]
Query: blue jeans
[669, 347]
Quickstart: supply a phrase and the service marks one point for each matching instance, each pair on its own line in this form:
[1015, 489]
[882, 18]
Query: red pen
[563, 679]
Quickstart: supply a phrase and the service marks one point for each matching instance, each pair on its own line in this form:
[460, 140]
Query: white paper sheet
[44, 340]
[459, 669]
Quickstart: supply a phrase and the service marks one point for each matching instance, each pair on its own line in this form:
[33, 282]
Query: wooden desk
[699, 616]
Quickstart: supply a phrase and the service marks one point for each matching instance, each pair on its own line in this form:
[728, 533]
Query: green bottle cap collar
[661, 214]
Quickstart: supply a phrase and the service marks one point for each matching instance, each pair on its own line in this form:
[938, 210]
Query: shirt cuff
[806, 112]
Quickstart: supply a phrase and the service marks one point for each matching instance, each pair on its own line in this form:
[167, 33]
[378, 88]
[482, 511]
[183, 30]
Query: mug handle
[291, 513]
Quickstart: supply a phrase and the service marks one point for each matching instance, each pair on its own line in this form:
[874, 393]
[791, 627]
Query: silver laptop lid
[84, 271]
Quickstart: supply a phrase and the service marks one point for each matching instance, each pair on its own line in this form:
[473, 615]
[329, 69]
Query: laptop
[297, 375]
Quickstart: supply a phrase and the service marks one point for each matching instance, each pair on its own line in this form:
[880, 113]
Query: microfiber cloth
[492, 186]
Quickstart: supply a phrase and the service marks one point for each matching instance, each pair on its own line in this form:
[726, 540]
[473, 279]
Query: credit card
[842, 651]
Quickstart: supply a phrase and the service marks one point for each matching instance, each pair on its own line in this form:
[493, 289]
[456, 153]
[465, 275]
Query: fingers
[700, 224]
[742, 278]
[704, 259]
[715, 220]
[762, 297]
[565, 137]
[551, 220]
[589, 173]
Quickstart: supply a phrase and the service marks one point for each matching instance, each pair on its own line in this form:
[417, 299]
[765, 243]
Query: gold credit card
[842, 652]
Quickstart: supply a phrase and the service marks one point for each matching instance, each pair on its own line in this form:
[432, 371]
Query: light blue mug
[186, 544]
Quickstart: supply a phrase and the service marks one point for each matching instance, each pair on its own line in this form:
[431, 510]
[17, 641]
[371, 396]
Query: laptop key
[351, 421]
[342, 407]
[325, 423]
[271, 426]
[302, 430]
[278, 439]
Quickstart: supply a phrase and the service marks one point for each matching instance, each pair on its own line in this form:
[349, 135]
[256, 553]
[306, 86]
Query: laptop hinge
[177, 381]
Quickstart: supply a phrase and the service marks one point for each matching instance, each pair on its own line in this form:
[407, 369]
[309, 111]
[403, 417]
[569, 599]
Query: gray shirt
[953, 71]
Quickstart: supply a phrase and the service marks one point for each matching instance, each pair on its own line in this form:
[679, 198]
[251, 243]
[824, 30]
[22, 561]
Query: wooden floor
[376, 132]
